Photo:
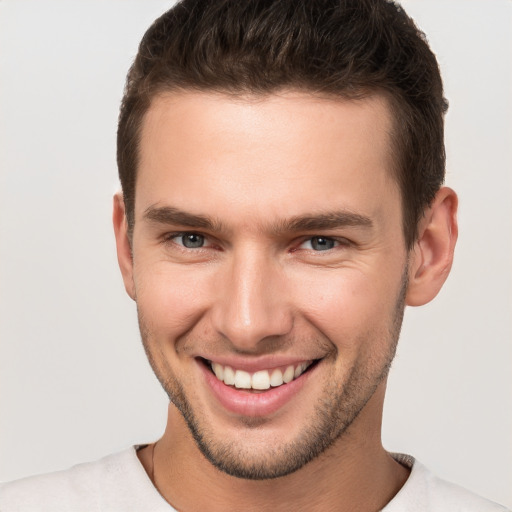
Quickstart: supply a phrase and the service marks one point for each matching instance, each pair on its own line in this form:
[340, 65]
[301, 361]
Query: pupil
[192, 241]
[322, 244]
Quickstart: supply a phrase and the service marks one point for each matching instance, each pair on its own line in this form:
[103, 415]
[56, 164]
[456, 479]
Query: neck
[355, 473]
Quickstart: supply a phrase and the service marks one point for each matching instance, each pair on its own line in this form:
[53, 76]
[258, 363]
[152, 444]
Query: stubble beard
[333, 415]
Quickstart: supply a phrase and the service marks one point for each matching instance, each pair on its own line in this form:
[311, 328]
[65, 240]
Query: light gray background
[74, 381]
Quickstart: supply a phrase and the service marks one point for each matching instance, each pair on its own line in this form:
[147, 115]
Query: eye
[319, 243]
[189, 240]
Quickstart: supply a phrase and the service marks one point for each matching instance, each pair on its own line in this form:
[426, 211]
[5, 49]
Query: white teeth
[218, 370]
[260, 380]
[229, 376]
[242, 380]
[276, 379]
[300, 369]
[288, 374]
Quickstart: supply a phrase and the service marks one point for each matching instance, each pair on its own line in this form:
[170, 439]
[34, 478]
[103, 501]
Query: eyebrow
[324, 221]
[308, 222]
[174, 216]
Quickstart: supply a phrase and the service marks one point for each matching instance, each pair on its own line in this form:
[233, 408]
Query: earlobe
[123, 245]
[432, 254]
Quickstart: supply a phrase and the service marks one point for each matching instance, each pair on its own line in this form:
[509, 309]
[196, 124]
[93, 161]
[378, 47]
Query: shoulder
[425, 492]
[112, 483]
[77, 486]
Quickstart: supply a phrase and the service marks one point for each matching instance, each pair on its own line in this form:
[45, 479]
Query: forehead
[277, 154]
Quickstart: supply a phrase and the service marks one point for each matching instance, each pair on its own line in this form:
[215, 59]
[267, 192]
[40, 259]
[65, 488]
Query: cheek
[170, 299]
[348, 306]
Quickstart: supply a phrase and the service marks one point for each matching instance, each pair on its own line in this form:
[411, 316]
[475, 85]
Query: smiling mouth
[261, 380]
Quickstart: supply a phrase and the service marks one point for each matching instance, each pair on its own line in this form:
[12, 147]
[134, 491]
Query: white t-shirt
[119, 483]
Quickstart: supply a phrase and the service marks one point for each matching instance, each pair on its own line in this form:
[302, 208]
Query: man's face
[268, 246]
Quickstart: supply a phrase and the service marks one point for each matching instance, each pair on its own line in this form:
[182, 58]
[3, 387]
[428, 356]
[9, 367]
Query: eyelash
[337, 242]
[169, 238]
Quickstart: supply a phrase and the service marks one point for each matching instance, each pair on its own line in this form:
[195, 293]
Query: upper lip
[257, 363]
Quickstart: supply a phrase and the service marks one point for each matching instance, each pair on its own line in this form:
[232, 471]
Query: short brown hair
[340, 48]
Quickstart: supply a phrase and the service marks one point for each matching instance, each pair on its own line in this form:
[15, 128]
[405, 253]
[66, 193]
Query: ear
[123, 245]
[432, 255]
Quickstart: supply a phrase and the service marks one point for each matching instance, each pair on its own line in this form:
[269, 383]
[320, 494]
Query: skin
[259, 291]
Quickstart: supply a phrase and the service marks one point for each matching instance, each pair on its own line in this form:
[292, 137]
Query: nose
[251, 303]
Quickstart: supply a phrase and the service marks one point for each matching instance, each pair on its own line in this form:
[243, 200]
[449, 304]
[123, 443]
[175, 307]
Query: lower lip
[258, 404]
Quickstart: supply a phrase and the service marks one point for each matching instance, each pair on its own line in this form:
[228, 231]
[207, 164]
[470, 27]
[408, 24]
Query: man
[282, 167]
